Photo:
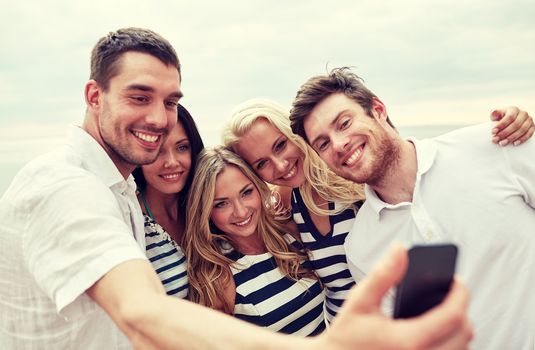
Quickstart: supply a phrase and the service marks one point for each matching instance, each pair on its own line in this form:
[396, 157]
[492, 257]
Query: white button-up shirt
[482, 197]
[67, 219]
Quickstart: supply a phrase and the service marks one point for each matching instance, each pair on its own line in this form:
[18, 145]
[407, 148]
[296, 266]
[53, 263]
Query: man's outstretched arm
[133, 296]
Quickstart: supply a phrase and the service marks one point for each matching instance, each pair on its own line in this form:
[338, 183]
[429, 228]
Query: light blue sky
[431, 62]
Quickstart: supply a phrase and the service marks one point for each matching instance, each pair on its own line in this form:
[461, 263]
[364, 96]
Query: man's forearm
[178, 324]
[134, 298]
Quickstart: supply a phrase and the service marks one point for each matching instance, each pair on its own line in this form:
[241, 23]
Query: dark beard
[118, 151]
[388, 154]
[124, 155]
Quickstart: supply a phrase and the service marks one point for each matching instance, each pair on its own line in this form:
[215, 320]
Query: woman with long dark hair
[163, 190]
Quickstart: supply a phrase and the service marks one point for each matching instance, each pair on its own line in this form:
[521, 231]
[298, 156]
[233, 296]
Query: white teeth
[290, 174]
[145, 137]
[171, 176]
[353, 157]
[245, 222]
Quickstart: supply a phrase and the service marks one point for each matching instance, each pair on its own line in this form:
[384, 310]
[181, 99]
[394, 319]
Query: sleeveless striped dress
[267, 298]
[167, 259]
[327, 254]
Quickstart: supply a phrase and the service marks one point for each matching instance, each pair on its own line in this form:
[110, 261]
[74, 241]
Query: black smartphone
[427, 281]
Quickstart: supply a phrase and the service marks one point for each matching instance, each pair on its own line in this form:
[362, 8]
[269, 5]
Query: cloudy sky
[431, 62]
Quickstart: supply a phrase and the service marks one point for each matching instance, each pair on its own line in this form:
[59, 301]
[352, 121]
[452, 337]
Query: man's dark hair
[186, 120]
[106, 54]
[316, 89]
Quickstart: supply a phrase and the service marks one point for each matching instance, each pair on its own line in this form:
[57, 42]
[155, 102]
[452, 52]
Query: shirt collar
[425, 156]
[426, 151]
[95, 159]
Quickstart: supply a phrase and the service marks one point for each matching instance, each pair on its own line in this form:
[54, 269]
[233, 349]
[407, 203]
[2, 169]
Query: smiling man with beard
[459, 187]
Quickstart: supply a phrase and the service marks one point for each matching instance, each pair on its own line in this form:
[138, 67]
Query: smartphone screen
[427, 281]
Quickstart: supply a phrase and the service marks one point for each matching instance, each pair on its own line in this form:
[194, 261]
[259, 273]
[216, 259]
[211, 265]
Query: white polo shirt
[66, 220]
[481, 197]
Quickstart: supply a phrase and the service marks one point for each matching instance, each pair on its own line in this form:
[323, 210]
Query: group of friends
[282, 226]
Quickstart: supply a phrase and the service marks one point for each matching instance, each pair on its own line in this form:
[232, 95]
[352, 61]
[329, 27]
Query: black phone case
[427, 281]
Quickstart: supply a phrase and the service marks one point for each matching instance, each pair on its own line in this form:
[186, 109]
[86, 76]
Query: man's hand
[361, 325]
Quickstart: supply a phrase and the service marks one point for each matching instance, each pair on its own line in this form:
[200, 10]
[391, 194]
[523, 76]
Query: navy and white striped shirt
[327, 254]
[167, 259]
[265, 297]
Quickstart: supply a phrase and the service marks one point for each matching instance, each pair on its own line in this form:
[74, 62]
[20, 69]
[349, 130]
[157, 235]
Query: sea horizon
[9, 165]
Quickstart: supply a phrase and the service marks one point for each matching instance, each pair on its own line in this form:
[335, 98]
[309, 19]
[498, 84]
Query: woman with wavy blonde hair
[239, 260]
[323, 205]
[319, 179]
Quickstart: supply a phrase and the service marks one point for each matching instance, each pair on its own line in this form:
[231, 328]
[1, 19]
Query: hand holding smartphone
[427, 281]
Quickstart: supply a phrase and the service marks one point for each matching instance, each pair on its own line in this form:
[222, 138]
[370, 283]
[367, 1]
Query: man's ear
[379, 110]
[92, 95]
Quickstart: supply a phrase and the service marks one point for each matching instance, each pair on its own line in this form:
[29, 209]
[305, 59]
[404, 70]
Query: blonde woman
[323, 205]
[239, 259]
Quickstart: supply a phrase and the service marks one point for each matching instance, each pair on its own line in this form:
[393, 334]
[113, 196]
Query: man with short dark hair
[458, 187]
[73, 270]
[69, 217]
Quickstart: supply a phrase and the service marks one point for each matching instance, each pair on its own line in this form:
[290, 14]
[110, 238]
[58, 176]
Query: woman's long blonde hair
[319, 177]
[208, 268]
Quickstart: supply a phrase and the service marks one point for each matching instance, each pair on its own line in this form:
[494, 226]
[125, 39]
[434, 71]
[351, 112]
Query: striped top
[266, 297]
[327, 254]
[167, 259]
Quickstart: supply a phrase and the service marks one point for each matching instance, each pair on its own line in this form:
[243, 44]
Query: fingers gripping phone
[427, 281]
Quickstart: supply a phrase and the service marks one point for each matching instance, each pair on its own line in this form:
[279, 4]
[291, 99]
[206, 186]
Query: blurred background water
[14, 154]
